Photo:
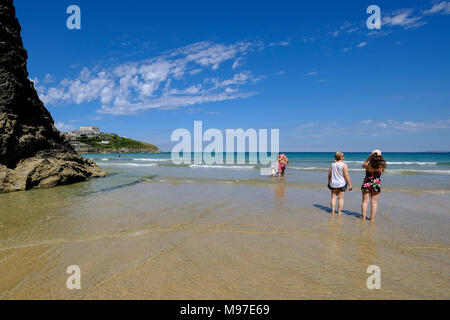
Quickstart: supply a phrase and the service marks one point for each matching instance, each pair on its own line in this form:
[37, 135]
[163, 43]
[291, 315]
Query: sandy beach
[198, 239]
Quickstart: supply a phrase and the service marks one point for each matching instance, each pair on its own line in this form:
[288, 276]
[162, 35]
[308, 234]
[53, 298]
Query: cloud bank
[178, 78]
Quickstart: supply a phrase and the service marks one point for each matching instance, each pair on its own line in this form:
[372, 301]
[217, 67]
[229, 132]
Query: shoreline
[117, 152]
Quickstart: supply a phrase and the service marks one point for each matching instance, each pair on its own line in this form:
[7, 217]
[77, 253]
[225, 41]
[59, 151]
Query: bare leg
[374, 205]
[364, 204]
[341, 195]
[333, 200]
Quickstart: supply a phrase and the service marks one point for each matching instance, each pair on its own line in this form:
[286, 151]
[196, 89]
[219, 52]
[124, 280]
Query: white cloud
[346, 27]
[258, 78]
[404, 18]
[309, 39]
[64, 127]
[95, 118]
[49, 78]
[346, 49]
[362, 44]
[443, 8]
[123, 107]
[210, 55]
[407, 126]
[239, 78]
[312, 73]
[371, 127]
[307, 125]
[193, 110]
[408, 18]
[195, 71]
[159, 82]
[379, 33]
[237, 63]
[280, 43]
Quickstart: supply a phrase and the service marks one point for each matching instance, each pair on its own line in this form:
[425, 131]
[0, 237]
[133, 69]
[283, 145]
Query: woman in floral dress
[371, 187]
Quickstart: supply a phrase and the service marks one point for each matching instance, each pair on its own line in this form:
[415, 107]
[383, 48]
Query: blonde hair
[338, 155]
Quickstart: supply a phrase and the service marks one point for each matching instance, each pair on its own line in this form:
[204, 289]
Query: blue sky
[313, 70]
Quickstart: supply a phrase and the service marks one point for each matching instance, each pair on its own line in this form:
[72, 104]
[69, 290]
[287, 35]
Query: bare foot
[363, 217]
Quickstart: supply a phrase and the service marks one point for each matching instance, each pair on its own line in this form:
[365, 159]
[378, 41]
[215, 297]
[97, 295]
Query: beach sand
[170, 239]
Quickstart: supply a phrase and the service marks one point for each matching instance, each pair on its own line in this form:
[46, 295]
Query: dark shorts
[344, 188]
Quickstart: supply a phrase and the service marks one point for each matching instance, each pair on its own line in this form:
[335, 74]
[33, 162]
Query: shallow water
[419, 171]
[180, 234]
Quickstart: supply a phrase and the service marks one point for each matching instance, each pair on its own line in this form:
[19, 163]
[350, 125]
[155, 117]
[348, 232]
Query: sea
[412, 171]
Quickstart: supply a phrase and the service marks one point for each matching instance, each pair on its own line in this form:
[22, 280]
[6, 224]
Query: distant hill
[110, 143]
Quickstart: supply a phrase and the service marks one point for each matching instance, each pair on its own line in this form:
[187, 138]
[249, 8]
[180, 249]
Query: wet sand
[198, 240]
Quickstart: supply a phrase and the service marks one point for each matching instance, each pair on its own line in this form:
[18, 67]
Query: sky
[313, 70]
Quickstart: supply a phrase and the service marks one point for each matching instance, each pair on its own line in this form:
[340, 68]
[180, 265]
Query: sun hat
[377, 151]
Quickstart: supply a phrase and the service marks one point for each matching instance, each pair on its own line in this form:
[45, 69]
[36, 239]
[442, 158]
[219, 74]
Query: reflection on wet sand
[332, 239]
[367, 246]
[279, 191]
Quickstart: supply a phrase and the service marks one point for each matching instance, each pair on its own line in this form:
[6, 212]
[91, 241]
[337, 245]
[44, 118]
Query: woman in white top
[338, 181]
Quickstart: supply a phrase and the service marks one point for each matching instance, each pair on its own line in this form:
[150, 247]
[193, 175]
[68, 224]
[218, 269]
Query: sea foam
[220, 166]
[128, 164]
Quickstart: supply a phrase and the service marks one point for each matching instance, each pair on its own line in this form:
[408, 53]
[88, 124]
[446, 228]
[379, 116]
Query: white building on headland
[88, 131]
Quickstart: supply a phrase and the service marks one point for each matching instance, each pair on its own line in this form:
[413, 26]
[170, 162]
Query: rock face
[33, 153]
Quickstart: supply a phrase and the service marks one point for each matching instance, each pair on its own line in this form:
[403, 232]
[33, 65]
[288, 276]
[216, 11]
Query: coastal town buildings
[89, 131]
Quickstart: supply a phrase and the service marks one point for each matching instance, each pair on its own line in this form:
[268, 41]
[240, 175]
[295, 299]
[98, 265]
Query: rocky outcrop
[33, 153]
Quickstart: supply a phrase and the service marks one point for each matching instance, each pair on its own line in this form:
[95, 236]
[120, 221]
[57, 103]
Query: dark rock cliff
[33, 153]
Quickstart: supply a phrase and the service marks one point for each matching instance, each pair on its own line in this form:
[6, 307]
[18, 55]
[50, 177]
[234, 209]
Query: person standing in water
[338, 182]
[283, 161]
[371, 187]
